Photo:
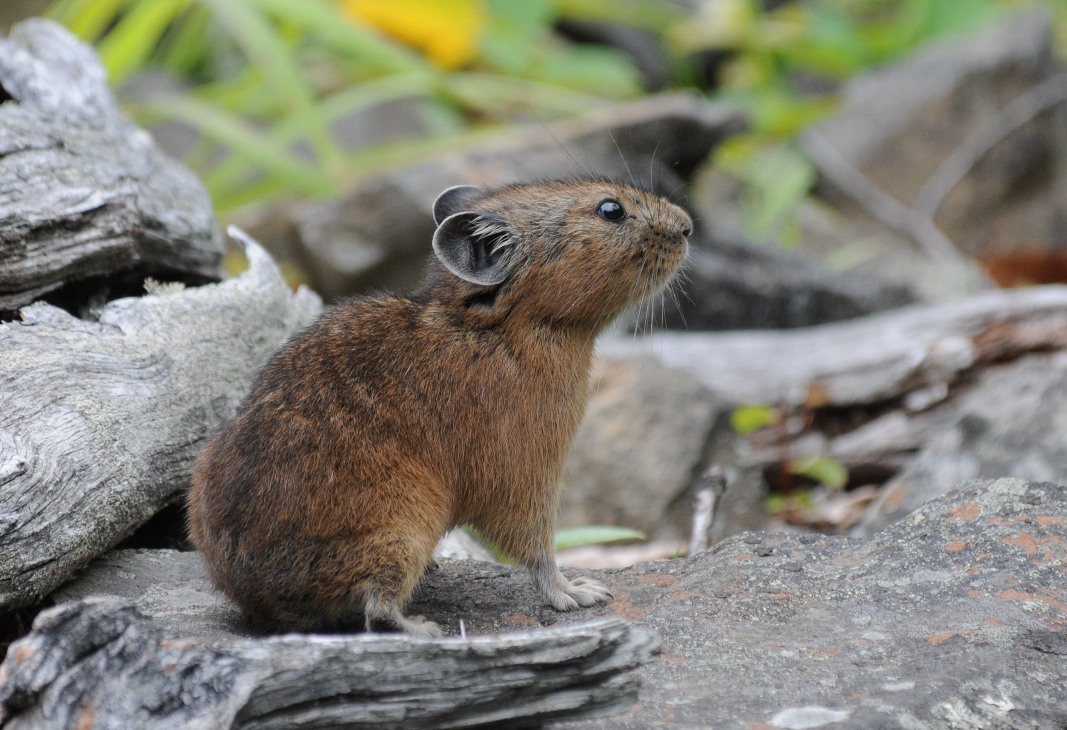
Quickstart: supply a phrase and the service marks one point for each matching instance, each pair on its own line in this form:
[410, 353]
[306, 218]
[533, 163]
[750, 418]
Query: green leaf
[829, 472]
[746, 419]
[595, 535]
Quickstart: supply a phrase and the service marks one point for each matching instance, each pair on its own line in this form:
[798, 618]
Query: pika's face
[570, 251]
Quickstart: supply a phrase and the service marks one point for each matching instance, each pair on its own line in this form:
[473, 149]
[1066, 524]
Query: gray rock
[1012, 422]
[899, 123]
[953, 617]
[733, 284]
[85, 194]
[643, 439]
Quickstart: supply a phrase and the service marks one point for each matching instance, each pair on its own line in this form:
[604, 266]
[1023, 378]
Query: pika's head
[572, 252]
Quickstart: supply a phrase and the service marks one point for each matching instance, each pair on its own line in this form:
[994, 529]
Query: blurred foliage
[824, 470]
[266, 82]
[785, 64]
[751, 418]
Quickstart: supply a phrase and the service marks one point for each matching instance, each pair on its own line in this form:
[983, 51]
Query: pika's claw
[565, 595]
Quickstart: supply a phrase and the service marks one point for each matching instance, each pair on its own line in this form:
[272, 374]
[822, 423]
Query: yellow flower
[447, 31]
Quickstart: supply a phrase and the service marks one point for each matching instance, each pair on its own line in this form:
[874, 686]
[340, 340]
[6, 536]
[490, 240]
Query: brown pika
[392, 419]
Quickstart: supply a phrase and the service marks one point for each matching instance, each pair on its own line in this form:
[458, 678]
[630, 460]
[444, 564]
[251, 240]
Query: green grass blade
[243, 139]
[87, 19]
[264, 46]
[136, 35]
[191, 44]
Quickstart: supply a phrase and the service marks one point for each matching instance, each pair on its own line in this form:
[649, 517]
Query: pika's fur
[392, 419]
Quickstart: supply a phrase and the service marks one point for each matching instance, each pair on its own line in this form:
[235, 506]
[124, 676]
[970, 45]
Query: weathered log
[83, 192]
[102, 663]
[917, 351]
[100, 421]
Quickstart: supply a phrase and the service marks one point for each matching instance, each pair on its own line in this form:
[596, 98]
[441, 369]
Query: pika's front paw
[580, 593]
[562, 594]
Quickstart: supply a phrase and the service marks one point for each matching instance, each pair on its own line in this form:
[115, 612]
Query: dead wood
[100, 420]
[100, 662]
[84, 194]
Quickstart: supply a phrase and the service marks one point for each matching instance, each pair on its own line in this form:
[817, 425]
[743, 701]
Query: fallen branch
[921, 350]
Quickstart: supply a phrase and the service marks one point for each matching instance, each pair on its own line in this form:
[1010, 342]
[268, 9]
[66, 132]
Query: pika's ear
[454, 200]
[475, 248]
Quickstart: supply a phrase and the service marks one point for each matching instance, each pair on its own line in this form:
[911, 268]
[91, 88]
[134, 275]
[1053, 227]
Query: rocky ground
[954, 617]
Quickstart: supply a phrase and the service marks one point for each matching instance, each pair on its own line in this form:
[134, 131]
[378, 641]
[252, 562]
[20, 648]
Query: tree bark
[83, 192]
[917, 351]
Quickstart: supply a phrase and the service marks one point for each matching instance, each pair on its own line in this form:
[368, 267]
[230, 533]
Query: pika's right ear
[454, 200]
[475, 248]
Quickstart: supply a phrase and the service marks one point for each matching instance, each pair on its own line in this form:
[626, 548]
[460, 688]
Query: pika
[392, 419]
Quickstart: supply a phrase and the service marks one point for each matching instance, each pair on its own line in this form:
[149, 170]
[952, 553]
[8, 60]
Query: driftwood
[99, 662]
[100, 420]
[83, 192]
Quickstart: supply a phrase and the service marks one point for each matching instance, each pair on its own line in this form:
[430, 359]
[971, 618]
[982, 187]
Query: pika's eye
[610, 210]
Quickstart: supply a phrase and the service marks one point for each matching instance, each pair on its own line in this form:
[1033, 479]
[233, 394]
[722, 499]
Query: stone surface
[84, 194]
[954, 617]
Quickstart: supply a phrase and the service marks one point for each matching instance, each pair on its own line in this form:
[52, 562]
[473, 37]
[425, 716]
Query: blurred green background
[267, 84]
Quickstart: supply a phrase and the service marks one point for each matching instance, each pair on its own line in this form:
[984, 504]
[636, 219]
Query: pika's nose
[684, 222]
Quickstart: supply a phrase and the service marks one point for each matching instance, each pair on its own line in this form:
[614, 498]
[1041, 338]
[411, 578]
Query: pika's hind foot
[385, 615]
[565, 595]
